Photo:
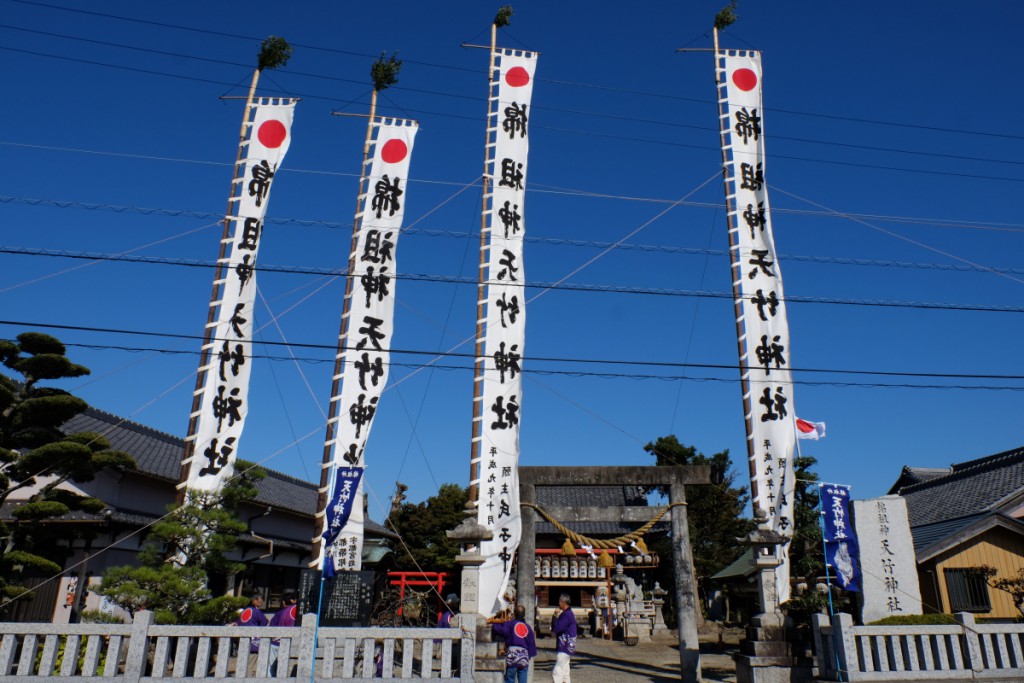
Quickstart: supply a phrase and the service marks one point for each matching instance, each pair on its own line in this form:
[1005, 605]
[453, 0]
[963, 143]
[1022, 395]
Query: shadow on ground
[599, 661]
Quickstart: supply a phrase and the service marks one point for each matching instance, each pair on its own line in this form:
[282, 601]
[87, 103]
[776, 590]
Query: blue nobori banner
[841, 550]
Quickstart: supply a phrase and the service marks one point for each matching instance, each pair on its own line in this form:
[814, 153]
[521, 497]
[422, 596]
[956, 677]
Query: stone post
[686, 587]
[526, 591]
[138, 647]
[973, 654]
[842, 625]
[307, 648]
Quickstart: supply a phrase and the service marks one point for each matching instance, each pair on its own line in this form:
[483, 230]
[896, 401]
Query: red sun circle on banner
[517, 77]
[272, 133]
[521, 630]
[394, 150]
[246, 615]
[744, 79]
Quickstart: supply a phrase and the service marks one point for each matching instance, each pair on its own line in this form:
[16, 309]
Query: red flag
[809, 430]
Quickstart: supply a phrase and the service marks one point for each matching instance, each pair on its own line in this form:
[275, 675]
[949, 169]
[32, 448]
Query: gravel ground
[598, 661]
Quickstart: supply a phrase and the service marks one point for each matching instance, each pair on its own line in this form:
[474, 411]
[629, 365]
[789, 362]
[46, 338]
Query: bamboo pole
[481, 293]
[326, 468]
[736, 270]
[218, 288]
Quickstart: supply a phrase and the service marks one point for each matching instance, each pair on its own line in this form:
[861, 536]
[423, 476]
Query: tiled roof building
[280, 518]
[968, 515]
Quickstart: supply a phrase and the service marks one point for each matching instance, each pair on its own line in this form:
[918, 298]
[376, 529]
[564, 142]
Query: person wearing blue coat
[520, 646]
[564, 630]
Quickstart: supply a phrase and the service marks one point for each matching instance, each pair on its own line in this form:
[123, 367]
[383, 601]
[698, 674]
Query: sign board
[308, 595]
[347, 599]
[889, 582]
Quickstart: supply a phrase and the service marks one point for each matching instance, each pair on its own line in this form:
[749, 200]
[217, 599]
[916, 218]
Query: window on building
[968, 590]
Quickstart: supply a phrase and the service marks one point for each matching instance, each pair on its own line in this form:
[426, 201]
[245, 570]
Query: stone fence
[150, 653]
[963, 651]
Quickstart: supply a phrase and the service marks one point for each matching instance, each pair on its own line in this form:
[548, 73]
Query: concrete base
[766, 655]
[771, 670]
[489, 667]
[639, 628]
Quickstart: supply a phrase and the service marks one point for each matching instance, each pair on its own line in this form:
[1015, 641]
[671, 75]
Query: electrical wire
[544, 286]
[529, 359]
[542, 189]
[834, 117]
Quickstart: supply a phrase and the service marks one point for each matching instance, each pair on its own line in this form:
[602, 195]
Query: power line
[834, 117]
[575, 373]
[542, 189]
[410, 112]
[466, 280]
[421, 112]
[461, 235]
[470, 356]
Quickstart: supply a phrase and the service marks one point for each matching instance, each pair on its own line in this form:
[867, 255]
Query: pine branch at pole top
[327, 470]
[218, 286]
[735, 271]
[478, 360]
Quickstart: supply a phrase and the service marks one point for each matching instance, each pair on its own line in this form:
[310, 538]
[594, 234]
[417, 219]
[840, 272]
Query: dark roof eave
[990, 521]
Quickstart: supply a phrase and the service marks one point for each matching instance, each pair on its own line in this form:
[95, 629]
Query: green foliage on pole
[726, 16]
[504, 16]
[183, 552]
[274, 52]
[384, 72]
[35, 455]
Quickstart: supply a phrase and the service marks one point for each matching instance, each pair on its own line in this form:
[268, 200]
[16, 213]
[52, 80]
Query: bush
[95, 616]
[916, 620]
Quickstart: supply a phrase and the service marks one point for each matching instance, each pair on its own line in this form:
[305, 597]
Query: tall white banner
[225, 395]
[365, 349]
[505, 337]
[758, 279]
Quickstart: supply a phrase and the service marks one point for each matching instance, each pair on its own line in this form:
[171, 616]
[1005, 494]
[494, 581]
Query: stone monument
[889, 585]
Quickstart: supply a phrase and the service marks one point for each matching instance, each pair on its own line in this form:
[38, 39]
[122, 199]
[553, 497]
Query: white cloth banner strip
[504, 341]
[765, 328]
[225, 400]
[365, 350]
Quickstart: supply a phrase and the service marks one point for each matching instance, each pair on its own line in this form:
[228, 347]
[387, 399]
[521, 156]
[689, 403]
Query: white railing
[964, 651]
[144, 652]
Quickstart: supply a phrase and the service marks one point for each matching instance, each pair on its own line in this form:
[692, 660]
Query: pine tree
[422, 527]
[714, 513]
[185, 554]
[36, 456]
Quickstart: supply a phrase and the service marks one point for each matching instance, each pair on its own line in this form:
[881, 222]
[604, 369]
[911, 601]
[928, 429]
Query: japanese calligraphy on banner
[504, 343]
[841, 552]
[365, 350]
[339, 510]
[225, 395]
[758, 286]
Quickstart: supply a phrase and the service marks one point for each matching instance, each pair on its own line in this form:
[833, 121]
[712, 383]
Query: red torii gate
[435, 580]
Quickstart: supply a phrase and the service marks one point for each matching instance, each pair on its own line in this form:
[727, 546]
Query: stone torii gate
[676, 478]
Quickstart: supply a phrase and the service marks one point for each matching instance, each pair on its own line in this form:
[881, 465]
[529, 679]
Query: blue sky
[894, 161]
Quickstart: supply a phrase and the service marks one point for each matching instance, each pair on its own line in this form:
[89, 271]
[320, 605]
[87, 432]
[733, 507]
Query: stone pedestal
[765, 654]
[488, 667]
[638, 625]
